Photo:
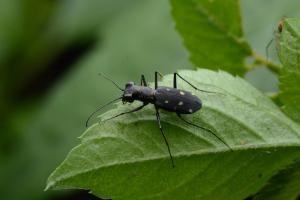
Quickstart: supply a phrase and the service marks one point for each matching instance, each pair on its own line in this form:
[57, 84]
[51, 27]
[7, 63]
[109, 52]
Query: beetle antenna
[267, 48]
[92, 114]
[113, 82]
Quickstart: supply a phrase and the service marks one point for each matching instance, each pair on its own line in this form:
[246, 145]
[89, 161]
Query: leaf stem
[261, 60]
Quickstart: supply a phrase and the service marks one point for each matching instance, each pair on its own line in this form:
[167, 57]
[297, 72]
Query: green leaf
[259, 28]
[289, 54]
[126, 158]
[284, 185]
[212, 33]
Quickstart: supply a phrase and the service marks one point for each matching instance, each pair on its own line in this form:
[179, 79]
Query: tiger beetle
[166, 98]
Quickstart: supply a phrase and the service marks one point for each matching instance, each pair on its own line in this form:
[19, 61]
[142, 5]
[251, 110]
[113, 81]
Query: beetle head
[128, 93]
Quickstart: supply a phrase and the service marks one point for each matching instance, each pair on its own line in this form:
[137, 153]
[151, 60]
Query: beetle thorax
[133, 92]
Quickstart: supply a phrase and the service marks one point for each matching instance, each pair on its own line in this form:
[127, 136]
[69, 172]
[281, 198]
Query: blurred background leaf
[212, 32]
[51, 53]
[289, 53]
[123, 46]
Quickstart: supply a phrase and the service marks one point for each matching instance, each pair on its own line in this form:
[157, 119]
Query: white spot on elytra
[166, 101]
[168, 89]
[190, 110]
[180, 103]
[182, 93]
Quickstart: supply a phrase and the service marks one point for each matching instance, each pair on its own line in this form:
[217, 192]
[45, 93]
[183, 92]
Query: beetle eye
[129, 84]
[128, 95]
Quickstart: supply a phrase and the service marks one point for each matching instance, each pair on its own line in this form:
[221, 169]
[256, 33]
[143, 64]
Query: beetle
[170, 99]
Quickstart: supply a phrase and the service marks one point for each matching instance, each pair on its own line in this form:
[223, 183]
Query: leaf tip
[49, 185]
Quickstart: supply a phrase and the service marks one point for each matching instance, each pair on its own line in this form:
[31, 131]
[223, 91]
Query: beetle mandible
[166, 98]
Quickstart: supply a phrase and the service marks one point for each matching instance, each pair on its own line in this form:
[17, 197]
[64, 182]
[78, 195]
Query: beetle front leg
[127, 112]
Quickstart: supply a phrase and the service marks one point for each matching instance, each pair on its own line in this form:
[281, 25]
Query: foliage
[289, 54]
[205, 25]
[113, 152]
[284, 185]
[51, 53]
[130, 149]
[48, 127]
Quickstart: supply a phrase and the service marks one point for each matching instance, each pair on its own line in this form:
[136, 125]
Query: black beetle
[167, 98]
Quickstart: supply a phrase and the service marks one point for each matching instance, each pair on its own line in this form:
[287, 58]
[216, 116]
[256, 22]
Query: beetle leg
[206, 129]
[143, 81]
[156, 78]
[162, 132]
[267, 49]
[175, 84]
[175, 81]
[127, 112]
[98, 109]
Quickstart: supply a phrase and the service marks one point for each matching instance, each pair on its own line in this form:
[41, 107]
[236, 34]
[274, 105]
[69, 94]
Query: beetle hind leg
[206, 129]
[193, 86]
